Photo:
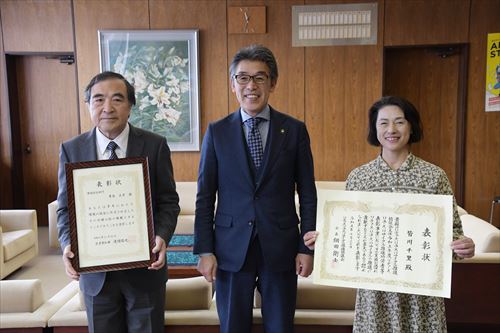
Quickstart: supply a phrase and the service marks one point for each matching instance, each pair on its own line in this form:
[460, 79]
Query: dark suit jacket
[242, 200]
[165, 200]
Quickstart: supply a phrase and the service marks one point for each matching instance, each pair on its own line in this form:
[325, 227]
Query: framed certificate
[397, 242]
[110, 214]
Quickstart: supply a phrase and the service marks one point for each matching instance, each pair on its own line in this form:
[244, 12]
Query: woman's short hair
[409, 110]
[256, 53]
[109, 76]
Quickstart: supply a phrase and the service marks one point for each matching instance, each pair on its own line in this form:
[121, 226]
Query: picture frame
[110, 214]
[163, 67]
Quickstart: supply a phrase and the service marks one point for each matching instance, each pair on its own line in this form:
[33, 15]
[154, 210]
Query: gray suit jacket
[165, 200]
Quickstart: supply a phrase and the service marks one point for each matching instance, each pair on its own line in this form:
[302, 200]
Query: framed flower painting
[162, 65]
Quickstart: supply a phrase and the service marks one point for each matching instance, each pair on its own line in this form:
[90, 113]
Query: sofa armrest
[58, 300]
[22, 303]
[20, 295]
[18, 219]
[53, 237]
[485, 236]
[72, 312]
[481, 258]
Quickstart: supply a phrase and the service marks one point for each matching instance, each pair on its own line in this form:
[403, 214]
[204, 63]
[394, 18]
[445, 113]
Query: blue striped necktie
[112, 147]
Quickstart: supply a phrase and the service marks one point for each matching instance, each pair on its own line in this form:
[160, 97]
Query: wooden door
[48, 115]
[432, 79]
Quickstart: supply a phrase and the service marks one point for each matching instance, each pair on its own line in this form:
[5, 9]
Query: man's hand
[207, 266]
[161, 249]
[70, 271]
[304, 264]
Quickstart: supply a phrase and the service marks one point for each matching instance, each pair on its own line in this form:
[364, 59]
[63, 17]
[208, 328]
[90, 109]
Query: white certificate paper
[395, 242]
[111, 215]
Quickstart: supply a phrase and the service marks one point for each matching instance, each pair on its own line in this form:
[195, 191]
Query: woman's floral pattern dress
[386, 312]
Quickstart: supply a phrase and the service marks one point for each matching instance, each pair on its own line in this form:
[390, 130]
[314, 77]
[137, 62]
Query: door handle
[27, 150]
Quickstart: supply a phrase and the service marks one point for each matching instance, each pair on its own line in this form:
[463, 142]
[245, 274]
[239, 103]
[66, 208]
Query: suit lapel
[135, 143]
[278, 132]
[89, 151]
[237, 143]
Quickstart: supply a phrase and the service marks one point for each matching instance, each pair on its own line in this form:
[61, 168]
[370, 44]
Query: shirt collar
[121, 140]
[264, 114]
[407, 164]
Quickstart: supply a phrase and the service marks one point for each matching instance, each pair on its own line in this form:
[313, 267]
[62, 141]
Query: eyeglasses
[245, 78]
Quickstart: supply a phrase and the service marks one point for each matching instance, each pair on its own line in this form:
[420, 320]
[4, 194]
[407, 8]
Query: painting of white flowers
[162, 65]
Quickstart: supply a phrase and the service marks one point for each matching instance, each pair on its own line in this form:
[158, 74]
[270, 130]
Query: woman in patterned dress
[394, 124]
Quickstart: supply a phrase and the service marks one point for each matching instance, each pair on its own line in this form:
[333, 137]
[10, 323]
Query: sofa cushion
[17, 241]
[485, 236]
[187, 197]
[185, 225]
[319, 297]
[182, 294]
[188, 294]
[315, 296]
[20, 295]
[330, 185]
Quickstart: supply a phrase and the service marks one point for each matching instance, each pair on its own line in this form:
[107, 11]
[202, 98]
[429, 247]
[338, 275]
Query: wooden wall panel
[342, 82]
[37, 25]
[5, 137]
[210, 18]
[424, 22]
[43, 126]
[288, 97]
[482, 162]
[330, 88]
[417, 75]
[91, 16]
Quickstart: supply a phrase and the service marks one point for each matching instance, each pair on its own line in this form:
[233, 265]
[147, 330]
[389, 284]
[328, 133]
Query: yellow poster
[492, 102]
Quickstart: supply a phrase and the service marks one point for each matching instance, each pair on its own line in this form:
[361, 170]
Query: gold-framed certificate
[110, 214]
[395, 242]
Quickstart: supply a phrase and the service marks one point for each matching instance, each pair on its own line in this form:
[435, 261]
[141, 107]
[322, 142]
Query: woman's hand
[463, 247]
[310, 239]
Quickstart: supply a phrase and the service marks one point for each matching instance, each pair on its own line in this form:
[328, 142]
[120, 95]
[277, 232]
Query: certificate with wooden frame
[110, 214]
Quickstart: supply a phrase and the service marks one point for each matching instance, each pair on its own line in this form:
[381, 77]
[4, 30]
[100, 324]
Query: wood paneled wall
[430, 82]
[482, 149]
[91, 16]
[288, 96]
[40, 26]
[341, 83]
[5, 138]
[204, 15]
[426, 22]
[330, 88]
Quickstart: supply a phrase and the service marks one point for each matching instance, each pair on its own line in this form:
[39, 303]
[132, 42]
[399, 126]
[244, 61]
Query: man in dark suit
[130, 300]
[253, 161]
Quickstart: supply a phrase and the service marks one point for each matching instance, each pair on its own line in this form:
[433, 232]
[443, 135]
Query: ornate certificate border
[110, 214]
[396, 242]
